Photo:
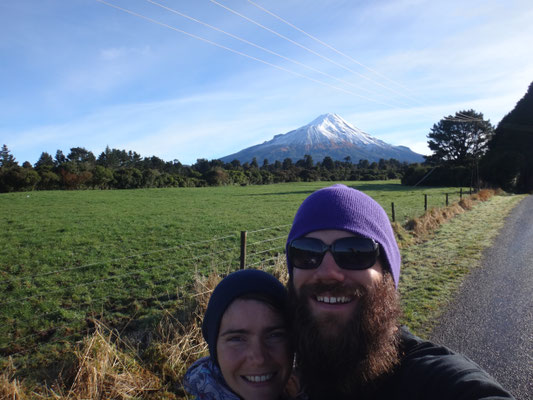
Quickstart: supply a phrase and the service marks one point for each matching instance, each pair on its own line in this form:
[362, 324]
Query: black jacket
[431, 372]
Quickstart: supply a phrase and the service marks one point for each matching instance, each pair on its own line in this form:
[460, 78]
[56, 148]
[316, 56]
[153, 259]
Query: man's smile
[333, 299]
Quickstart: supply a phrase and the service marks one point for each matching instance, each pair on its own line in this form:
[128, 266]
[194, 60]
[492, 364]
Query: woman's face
[253, 350]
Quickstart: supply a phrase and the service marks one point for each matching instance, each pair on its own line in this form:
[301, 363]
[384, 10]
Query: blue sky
[82, 73]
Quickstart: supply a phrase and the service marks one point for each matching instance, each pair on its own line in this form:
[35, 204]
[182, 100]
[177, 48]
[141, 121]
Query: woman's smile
[253, 350]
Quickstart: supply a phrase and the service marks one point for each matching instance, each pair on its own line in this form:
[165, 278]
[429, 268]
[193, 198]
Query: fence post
[461, 194]
[425, 202]
[393, 215]
[243, 249]
[446, 199]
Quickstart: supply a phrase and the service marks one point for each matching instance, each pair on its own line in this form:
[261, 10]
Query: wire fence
[57, 306]
[54, 306]
[403, 209]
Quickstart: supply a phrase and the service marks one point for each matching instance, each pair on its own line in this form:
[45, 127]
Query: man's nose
[329, 270]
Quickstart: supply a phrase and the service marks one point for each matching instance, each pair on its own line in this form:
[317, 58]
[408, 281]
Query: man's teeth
[333, 300]
[258, 378]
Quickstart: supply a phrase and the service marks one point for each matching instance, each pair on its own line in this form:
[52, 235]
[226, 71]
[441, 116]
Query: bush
[437, 176]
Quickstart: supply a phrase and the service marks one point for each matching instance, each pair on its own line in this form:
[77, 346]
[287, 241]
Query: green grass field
[123, 256]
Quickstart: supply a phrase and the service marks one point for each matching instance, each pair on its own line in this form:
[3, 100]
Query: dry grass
[403, 237]
[104, 371]
[278, 269]
[180, 344]
[423, 226]
[10, 387]
[484, 194]
[106, 368]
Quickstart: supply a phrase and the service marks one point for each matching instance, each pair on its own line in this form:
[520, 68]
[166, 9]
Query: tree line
[469, 151]
[121, 169]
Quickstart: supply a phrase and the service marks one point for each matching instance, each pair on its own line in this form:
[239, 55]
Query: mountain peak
[330, 117]
[331, 120]
[329, 134]
[326, 129]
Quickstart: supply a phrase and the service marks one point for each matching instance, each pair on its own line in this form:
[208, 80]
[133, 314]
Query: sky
[190, 79]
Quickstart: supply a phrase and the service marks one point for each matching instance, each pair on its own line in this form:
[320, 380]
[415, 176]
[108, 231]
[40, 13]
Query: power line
[336, 51]
[305, 48]
[260, 47]
[242, 54]
[461, 119]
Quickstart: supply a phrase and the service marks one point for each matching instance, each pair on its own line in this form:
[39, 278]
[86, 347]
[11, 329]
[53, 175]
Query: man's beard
[346, 359]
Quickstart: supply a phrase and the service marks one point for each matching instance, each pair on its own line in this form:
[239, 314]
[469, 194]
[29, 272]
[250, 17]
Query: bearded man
[344, 268]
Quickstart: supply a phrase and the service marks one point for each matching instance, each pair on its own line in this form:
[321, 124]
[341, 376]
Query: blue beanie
[343, 208]
[237, 284]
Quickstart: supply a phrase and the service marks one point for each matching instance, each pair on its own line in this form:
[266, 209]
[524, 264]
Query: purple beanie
[343, 208]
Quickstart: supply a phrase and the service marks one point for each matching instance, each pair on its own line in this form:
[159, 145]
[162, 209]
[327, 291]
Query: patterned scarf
[205, 381]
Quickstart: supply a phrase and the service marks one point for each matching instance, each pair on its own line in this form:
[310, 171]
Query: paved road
[491, 320]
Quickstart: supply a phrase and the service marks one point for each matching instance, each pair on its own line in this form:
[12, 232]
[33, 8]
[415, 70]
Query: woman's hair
[244, 284]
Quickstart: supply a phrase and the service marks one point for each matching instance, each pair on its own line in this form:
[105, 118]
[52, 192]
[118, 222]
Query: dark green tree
[287, 164]
[363, 164]
[328, 163]
[45, 162]
[80, 155]
[460, 139]
[109, 158]
[6, 158]
[102, 177]
[306, 162]
[509, 161]
[60, 158]
[202, 165]
[235, 165]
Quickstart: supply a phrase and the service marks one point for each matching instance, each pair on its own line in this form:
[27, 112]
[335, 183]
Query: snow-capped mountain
[328, 135]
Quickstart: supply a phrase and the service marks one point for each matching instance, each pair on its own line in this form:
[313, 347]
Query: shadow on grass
[277, 193]
[365, 187]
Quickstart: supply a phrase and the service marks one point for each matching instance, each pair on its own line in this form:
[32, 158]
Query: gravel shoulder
[490, 319]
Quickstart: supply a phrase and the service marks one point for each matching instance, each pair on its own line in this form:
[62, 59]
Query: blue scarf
[204, 380]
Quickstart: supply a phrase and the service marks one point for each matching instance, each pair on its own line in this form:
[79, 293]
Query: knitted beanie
[343, 208]
[237, 284]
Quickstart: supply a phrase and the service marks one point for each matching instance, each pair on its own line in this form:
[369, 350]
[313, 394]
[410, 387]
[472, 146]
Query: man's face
[344, 324]
[332, 292]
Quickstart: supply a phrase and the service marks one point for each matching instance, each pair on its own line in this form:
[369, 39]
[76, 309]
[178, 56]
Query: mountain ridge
[327, 135]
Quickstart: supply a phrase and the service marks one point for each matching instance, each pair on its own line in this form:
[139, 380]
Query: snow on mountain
[327, 135]
[326, 129]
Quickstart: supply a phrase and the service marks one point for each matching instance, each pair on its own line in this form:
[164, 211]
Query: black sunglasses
[354, 253]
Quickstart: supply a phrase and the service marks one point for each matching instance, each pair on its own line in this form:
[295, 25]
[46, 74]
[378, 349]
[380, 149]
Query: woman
[245, 327]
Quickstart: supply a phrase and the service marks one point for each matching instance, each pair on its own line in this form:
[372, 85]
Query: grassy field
[124, 256]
